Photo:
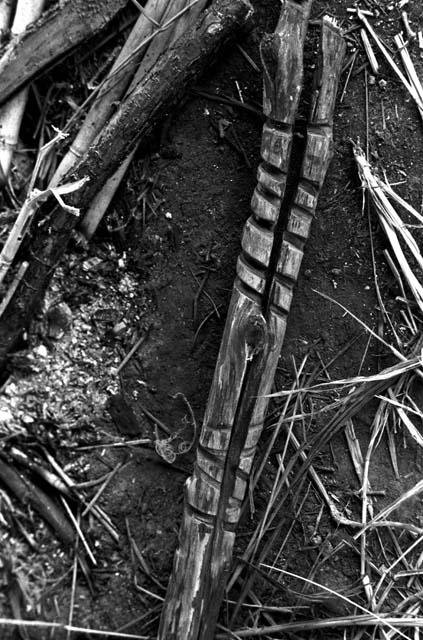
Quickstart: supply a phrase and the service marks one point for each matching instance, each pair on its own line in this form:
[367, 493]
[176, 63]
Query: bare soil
[140, 276]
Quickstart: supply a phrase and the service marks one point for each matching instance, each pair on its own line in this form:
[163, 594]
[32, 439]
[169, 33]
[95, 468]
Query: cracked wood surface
[272, 249]
[134, 121]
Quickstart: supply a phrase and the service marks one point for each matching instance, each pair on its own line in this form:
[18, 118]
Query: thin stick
[133, 350]
[248, 58]
[409, 68]
[158, 422]
[410, 88]
[103, 487]
[73, 588]
[79, 531]
[353, 59]
[13, 286]
[13, 622]
[364, 620]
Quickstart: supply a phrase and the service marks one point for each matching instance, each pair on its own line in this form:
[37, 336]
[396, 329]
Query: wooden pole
[164, 39]
[150, 102]
[112, 88]
[267, 269]
[12, 112]
[57, 33]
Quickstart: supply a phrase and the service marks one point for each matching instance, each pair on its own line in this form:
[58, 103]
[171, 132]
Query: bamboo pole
[11, 113]
[179, 16]
[63, 27]
[272, 249]
[113, 88]
[160, 91]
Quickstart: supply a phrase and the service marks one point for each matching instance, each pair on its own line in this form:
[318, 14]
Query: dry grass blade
[364, 620]
[411, 493]
[390, 373]
[347, 408]
[410, 87]
[409, 68]
[79, 531]
[411, 428]
[402, 555]
[103, 487]
[378, 619]
[354, 449]
[392, 224]
[39, 624]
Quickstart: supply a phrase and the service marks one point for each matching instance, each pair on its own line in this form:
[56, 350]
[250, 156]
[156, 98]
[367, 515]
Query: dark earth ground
[205, 186]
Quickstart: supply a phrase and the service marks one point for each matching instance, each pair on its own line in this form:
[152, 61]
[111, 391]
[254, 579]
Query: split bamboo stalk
[227, 443]
[179, 16]
[266, 274]
[160, 91]
[11, 113]
[112, 88]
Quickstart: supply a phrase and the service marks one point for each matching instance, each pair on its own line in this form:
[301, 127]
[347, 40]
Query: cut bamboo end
[114, 86]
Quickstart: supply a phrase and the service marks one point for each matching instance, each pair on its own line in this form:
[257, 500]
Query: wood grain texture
[246, 362]
[267, 270]
[58, 32]
[160, 91]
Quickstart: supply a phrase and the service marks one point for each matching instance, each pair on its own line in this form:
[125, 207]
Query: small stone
[5, 415]
[59, 318]
[119, 328]
[41, 351]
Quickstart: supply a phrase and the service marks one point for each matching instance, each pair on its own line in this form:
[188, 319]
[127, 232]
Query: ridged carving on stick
[316, 159]
[227, 444]
[267, 270]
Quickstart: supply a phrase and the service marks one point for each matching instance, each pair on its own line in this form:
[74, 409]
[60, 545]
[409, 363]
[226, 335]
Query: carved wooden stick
[266, 273]
[234, 415]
